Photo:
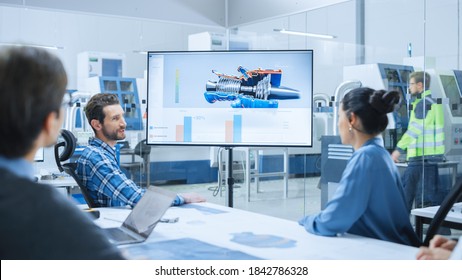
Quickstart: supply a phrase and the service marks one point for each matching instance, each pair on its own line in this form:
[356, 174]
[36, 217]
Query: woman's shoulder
[371, 147]
[371, 152]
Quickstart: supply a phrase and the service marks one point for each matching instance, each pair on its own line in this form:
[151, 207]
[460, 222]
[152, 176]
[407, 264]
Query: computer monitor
[39, 155]
[230, 98]
[452, 92]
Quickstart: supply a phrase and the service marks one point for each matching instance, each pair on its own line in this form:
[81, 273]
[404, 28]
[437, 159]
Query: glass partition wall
[374, 43]
[378, 44]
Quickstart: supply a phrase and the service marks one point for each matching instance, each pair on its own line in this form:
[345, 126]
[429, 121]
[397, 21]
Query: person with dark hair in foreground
[369, 200]
[38, 222]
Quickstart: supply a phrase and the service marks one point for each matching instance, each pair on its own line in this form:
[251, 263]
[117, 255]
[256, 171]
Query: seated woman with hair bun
[369, 200]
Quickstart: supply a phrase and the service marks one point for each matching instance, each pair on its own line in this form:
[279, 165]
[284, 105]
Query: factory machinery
[326, 150]
[446, 87]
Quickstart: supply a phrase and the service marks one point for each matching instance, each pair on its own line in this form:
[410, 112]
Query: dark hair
[371, 106]
[32, 85]
[96, 104]
[418, 77]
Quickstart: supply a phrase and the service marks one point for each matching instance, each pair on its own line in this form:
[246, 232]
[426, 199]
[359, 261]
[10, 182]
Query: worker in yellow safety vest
[423, 143]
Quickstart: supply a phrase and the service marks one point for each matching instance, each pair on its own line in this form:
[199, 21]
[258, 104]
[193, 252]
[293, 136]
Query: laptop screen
[149, 210]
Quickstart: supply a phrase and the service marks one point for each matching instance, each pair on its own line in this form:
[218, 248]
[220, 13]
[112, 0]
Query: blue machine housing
[397, 77]
[127, 91]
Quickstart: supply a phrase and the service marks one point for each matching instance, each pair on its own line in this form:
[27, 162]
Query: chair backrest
[142, 149]
[70, 168]
[440, 215]
[69, 142]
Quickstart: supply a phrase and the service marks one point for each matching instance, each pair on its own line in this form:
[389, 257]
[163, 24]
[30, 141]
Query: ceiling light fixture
[32, 45]
[298, 33]
[140, 52]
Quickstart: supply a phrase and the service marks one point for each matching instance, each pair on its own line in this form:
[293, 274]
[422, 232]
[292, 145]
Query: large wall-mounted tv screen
[230, 98]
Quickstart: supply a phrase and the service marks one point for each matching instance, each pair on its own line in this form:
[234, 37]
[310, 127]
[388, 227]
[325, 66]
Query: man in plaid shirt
[98, 168]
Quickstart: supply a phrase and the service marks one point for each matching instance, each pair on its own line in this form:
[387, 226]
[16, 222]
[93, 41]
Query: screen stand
[230, 176]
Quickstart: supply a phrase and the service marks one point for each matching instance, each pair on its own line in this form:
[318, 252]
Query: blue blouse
[369, 200]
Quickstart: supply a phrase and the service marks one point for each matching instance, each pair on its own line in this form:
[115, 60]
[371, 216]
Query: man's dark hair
[32, 85]
[96, 104]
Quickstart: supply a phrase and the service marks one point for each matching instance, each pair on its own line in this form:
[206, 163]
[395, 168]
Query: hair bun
[384, 102]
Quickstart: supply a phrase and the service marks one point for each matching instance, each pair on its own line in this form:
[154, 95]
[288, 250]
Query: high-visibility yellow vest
[424, 137]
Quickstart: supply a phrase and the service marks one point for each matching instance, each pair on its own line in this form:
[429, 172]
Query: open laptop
[143, 218]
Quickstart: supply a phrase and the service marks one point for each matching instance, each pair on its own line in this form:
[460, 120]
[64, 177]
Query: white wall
[78, 32]
[392, 24]
[242, 12]
[329, 55]
[194, 12]
[389, 26]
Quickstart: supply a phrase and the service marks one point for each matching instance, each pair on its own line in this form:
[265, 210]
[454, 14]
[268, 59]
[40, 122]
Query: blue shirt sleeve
[117, 186]
[348, 203]
[179, 200]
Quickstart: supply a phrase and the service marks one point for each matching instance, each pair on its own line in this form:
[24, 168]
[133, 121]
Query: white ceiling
[224, 13]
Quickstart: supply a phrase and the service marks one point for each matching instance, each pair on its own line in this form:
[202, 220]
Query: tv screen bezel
[229, 145]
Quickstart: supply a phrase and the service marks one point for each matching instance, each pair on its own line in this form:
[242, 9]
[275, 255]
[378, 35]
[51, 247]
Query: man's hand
[440, 249]
[395, 155]
[192, 197]
[439, 241]
[426, 253]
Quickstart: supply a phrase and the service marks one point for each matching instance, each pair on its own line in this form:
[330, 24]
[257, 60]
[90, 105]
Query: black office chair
[69, 142]
[446, 205]
[142, 150]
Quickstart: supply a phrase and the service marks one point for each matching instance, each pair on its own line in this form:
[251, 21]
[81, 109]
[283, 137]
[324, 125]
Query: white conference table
[66, 182]
[210, 231]
[425, 216]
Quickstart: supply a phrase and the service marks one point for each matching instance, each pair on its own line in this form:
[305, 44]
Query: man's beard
[113, 136]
